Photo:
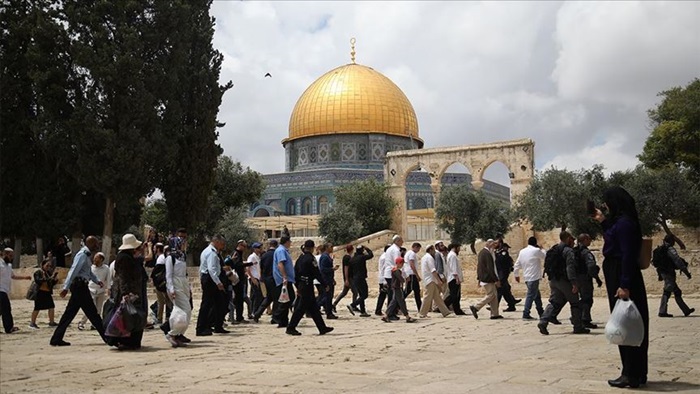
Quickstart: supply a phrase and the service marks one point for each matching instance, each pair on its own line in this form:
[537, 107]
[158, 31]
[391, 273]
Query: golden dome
[353, 99]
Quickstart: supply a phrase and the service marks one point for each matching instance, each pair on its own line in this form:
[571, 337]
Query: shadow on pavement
[671, 386]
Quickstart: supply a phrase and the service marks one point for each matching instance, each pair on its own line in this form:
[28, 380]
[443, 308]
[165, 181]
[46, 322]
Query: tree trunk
[39, 251]
[668, 231]
[18, 252]
[473, 247]
[108, 229]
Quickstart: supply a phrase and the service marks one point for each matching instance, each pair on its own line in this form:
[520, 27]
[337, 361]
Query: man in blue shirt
[213, 307]
[283, 272]
[79, 276]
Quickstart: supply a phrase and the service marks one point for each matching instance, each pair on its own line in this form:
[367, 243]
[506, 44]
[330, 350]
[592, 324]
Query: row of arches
[306, 206]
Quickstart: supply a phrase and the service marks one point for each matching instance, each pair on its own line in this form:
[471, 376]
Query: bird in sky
[268, 75]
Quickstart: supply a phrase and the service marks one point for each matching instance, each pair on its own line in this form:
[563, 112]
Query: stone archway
[517, 155]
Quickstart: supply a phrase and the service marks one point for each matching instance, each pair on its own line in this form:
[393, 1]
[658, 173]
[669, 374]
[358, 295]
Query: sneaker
[53, 324]
[172, 340]
[33, 326]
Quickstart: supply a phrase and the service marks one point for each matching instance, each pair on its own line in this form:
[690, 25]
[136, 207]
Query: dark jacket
[358, 264]
[504, 264]
[305, 271]
[266, 261]
[486, 268]
[325, 265]
[570, 257]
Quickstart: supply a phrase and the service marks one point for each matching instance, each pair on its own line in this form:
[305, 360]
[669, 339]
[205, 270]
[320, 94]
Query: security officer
[504, 266]
[305, 271]
[563, 286]
[667, 273]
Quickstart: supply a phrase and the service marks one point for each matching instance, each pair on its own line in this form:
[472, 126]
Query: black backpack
[660, 259]
[581, 267]
[554, 263]
[158, 276]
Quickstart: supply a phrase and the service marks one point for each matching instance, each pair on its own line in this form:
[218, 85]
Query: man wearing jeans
[530, 261]
[283, 272]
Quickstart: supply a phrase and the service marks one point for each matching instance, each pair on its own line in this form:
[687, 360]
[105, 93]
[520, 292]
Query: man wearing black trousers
[213, 307]
[504, 265]
[238, 289]
[266, 261]
[358, 264]
[79, 276]
[305, 273]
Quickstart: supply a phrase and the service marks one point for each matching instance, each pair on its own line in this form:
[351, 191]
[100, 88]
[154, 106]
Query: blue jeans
[533, 294]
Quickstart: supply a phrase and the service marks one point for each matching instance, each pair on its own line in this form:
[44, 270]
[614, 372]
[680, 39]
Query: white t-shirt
[410, 256]
[453, 267]
[5, 277]
[104, 275]
[380, 269]
[530, 261]
[427, 267]
[160, 260]
[255, 268]
[390, 260]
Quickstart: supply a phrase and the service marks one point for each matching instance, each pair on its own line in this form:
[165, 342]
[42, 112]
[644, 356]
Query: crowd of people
[114, 297]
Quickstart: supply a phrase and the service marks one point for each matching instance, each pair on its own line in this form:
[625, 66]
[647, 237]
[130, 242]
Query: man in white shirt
[530, 261]
[383, 284]
[253, 272]
[455, 276]
[432, 284]
[392, 254]
[410, 269]
[6, 276]
[99, 294]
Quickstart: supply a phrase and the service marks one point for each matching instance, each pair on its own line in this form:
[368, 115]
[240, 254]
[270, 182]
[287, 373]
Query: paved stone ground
[454, 354]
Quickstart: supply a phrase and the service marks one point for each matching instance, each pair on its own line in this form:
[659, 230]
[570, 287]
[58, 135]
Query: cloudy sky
[577, 78]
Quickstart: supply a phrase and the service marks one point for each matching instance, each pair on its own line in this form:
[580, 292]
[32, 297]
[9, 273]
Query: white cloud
[577, 78]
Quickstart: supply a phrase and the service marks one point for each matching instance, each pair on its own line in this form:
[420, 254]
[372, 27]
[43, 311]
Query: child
[46, 279]
[397, 282]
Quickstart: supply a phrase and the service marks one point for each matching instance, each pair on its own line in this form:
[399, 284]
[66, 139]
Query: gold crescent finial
[352, 50]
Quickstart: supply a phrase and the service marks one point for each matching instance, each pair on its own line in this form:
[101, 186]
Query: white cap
[8, 250]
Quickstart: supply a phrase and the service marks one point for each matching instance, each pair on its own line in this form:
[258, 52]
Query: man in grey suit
[486, 274]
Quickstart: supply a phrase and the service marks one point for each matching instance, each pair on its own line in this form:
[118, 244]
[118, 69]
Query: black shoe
[256, 319]
[517, 301]
[496, 317]
[691, 310]
[60, 343]
[624, 381]
[510, 309]
[581, 331]
[665, 315]
[183, 339]
[273, 321]
[474, 311]
[352, 312]
[460, 313]
[365, 315]
[250, 317]
[325, 331]
[590, 325]
[282, 326]
[643, 380]
[221, 331]
[528, 317]
[554, 321]
[394, 317]
[543, 328]
[356, 309]
[204, 334]
[378, 313]
[331, 317]
[164, 328]
[334, 310]
[54, 324]
[292, 332]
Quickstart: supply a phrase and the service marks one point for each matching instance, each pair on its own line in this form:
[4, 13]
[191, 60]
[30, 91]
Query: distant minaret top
[352, 50]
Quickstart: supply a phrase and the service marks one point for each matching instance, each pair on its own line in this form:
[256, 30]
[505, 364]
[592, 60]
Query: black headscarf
[621, 203]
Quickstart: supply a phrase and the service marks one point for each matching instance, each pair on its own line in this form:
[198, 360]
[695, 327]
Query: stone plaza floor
[455, 354]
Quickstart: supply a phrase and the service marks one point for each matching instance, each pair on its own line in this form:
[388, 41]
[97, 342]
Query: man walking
[667, 261]
[358, 266]
[560, 267]
[411, 273]
[6, 277]
[212, 310]
[79, 275]
[305, 272]
[455, 276]
[504, 266]
[266, 263]
[530, 261]
[253, 272]
[327, 269]
[283, 272]
[432, 283]
[488, 279]
[586, 272]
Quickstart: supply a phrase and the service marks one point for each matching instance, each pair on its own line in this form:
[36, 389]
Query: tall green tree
[663, 195]
[371, 203]
[675, 138]
[188, 106]
[468, 215]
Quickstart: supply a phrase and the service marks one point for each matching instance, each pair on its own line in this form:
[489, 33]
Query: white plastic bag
[178, 319]
[284, 295]
[625, 326]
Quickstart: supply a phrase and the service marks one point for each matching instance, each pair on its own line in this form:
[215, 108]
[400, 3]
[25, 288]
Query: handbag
[32, 291]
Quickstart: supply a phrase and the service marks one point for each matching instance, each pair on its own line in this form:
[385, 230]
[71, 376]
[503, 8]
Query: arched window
[419, 203]
[306, 206]
[262, 212]
[322, 205]
[291, 207]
